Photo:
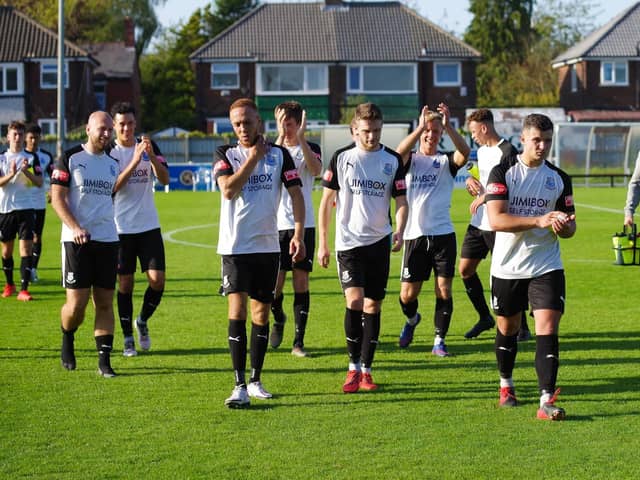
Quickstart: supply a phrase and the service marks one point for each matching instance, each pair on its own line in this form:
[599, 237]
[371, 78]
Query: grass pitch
[163, 416]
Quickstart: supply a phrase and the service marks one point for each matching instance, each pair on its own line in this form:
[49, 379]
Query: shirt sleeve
[330, 175]
[496, 184]
[399, 181]
[221, 165]
[158, 153]
[289, 175]
[565, 201]
[61, 175]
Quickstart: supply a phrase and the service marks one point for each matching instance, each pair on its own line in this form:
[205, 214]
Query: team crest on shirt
[71, 278]
[113, 170]
[271, 158]
[387, 169]
[346, 276]
[549, 183]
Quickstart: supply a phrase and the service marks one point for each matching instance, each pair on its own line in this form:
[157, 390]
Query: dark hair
[122, 108]
[482, 115]
[244, 103]
[33, 128]
[367, 111]
[539, 121]
[292, 109]
[16, 125]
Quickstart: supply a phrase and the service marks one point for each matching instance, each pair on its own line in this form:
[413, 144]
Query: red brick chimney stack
[129, 33]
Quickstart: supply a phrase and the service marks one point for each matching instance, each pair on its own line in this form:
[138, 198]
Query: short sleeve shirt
[38, 196]
[17, 194]
[365, 182]
[430, 181]
[285, 210]
[248, 222]
[489, 157]
[530, 192]
[90, 179]
[135, 209]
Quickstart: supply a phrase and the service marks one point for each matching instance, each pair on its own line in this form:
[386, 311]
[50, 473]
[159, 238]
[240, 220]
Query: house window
[614, 73]
[11, 79]
[49, 75]
[447, 74]
[292, 78]
[225, 75]
[100, 92]
[49, 126]
[574, 79]
[396, 78]
[221, 125]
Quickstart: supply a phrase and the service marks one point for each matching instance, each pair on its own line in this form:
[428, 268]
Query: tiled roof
[116, 60]
[350, 32]
[22, 38]
[620, 37]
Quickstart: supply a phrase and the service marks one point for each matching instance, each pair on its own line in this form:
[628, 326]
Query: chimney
[129, 33]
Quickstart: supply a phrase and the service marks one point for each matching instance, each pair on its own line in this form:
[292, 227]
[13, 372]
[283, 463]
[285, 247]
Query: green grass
[163, 416]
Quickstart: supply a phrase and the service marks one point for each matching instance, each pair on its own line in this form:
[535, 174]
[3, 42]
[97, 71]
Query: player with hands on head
[430, 239]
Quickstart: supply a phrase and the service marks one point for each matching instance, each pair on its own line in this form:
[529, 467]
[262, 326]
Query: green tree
[168, 79]
[93, 21]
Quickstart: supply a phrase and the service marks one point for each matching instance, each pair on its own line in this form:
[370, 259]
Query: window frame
[438, 83]
[54, 64]
[361, 69]
[226, 87]
[19, 68]
[305, 90]
[614, 82]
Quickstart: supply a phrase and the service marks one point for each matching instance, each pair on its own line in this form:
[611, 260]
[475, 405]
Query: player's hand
[323, 256]
[422, 121]
[297, 250]
[259, 149]
[443, 110]
[141, 148]
[396, 240]
[628, 220]
[12, 167]
[473, 186]
[280, 114]
[477, 203]
[303, 126]
[81, 236]
[24, 165]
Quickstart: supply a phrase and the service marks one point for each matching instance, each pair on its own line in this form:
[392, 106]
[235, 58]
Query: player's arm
[158, 163]
[34, 177]
[125, 174]
[312, 160]
[231, 185]
[463, 149]
[324, 220]
[59, 195]
[296, 246]
[408, 143]
[402, 209]
[280, 116]
[633, 194]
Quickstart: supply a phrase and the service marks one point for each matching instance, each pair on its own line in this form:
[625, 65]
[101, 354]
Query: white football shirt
[16, 193]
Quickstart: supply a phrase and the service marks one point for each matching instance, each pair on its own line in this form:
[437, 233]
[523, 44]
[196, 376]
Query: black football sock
[506, 348]
[475, 292]
[125, 311]
[25, 272]
[67, 353]
[409, 309]
[547, 361]
[35, 254]
[442, 317]
[276, 309]
[371, 332]
[301, 314]
[238, 349]
[150, 303]
[104, 344]
[258, 349]
[7, 268]
[353, 332]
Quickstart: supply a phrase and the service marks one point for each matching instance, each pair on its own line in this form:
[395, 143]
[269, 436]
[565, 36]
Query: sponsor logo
[496, 189]
[328, 175]
[60, 175]
[291, 175]
[568, 201]
[219, 165]
[401, 184]
[549, 183]
[365, 183]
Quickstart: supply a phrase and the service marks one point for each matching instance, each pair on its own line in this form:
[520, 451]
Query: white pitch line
[601, 209]
[168, 236]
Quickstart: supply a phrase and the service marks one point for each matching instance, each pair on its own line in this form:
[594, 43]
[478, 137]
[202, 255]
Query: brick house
[330, 56]
[28, 74]
[599, 77]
